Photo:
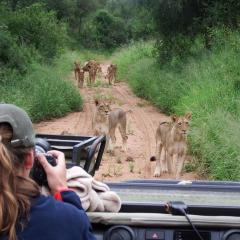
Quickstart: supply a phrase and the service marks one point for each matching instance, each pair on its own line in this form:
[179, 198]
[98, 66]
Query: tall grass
[128, 55]
[44, 91]
[208, 86]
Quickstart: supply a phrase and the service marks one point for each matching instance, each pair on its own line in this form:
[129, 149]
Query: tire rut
[86, 121]
[143, 122]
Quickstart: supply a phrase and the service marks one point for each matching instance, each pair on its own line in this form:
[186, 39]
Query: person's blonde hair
[15, 191]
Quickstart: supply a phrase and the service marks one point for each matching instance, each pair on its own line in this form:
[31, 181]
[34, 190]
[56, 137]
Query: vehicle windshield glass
[141, 91]
[204, 193]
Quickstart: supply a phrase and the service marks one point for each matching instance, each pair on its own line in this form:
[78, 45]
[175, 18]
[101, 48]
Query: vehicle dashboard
[142, 226]
[145, 218]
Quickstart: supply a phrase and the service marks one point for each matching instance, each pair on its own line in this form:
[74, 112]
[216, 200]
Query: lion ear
[174, 117]
[96, 102]
[188, 115]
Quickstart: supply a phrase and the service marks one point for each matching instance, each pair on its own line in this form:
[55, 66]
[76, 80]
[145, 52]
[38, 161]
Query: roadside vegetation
[31, 75]
[180, 55]
[40, 40]
[43, 91]
[207, 85]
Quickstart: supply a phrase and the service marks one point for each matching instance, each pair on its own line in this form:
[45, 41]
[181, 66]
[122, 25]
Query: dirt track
[142, 123]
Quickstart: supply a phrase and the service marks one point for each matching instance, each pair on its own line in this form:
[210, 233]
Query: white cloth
[95, 196]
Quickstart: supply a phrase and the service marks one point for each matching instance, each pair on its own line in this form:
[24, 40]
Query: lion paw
[157, 173]
[165, 171]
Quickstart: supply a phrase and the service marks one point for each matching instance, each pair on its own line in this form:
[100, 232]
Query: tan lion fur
[111, 74]
[79, 74]
[77, 68]
[171, 145]
[80, 79]
[92, 67]
[105, 122]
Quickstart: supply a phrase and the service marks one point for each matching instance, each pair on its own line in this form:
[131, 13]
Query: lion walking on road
[171, 145]
[92, 67]
[105, 122]
[79, 74]
[111, 74]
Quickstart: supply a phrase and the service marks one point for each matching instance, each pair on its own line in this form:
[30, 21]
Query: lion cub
[171, 143]
[111, 74]
[105, 122]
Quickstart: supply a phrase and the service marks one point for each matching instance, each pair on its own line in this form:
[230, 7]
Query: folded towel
[111, 201]
[99, 186]
[82, 189]
[94, 195]
[75, 172]
[96, 205]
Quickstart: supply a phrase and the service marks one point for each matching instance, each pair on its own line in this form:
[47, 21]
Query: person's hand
[56, 175]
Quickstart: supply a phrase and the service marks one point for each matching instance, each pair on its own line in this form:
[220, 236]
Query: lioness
[92, 67]
[171, 142]
[80, 78]
[99, 69]
[111, 74]
[77, 69]
[106, 120]
[79, 74]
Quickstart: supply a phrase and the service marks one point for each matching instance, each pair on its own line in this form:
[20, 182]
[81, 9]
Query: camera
[38, 174]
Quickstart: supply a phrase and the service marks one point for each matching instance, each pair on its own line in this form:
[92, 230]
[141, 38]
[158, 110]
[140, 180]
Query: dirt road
[142, 123]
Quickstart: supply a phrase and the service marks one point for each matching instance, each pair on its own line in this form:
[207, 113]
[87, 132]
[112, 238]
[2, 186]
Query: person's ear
[29, 159]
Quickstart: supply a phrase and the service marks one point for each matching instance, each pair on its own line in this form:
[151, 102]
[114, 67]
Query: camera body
[38, 174]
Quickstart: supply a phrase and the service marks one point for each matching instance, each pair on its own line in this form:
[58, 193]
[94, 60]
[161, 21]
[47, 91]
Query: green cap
[23, 132]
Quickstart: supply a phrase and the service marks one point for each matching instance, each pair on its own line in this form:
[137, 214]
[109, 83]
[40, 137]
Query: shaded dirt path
[142, 123]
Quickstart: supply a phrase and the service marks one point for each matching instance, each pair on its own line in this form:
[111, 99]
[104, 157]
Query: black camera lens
[38, 174]
[42, 145]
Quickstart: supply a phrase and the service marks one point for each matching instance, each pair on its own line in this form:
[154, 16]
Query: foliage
[126, 56]
[73, 12]
[87, 21]
[179, 22]
[35, 27]
[104, 30]
[208, 86]
[43, 92]
[137, 15]
[12, 56]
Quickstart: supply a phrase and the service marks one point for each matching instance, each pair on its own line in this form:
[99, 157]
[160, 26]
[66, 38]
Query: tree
[180, 21]
[33, 26]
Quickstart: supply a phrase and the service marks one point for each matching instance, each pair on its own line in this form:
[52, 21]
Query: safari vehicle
[157, 209]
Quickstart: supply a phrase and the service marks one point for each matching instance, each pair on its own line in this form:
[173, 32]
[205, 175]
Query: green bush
[208, 85]
[34, 26]
[137, 15]
[43, 91]
[126, 56]
[12, 56]
[103, 30]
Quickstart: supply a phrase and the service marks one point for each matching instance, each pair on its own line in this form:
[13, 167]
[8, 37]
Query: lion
[92, 67]
[80, 78]
[105, 122]
[79, 74]
[111, 74]
[77, 69]
[171, 143]
[99, 69]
